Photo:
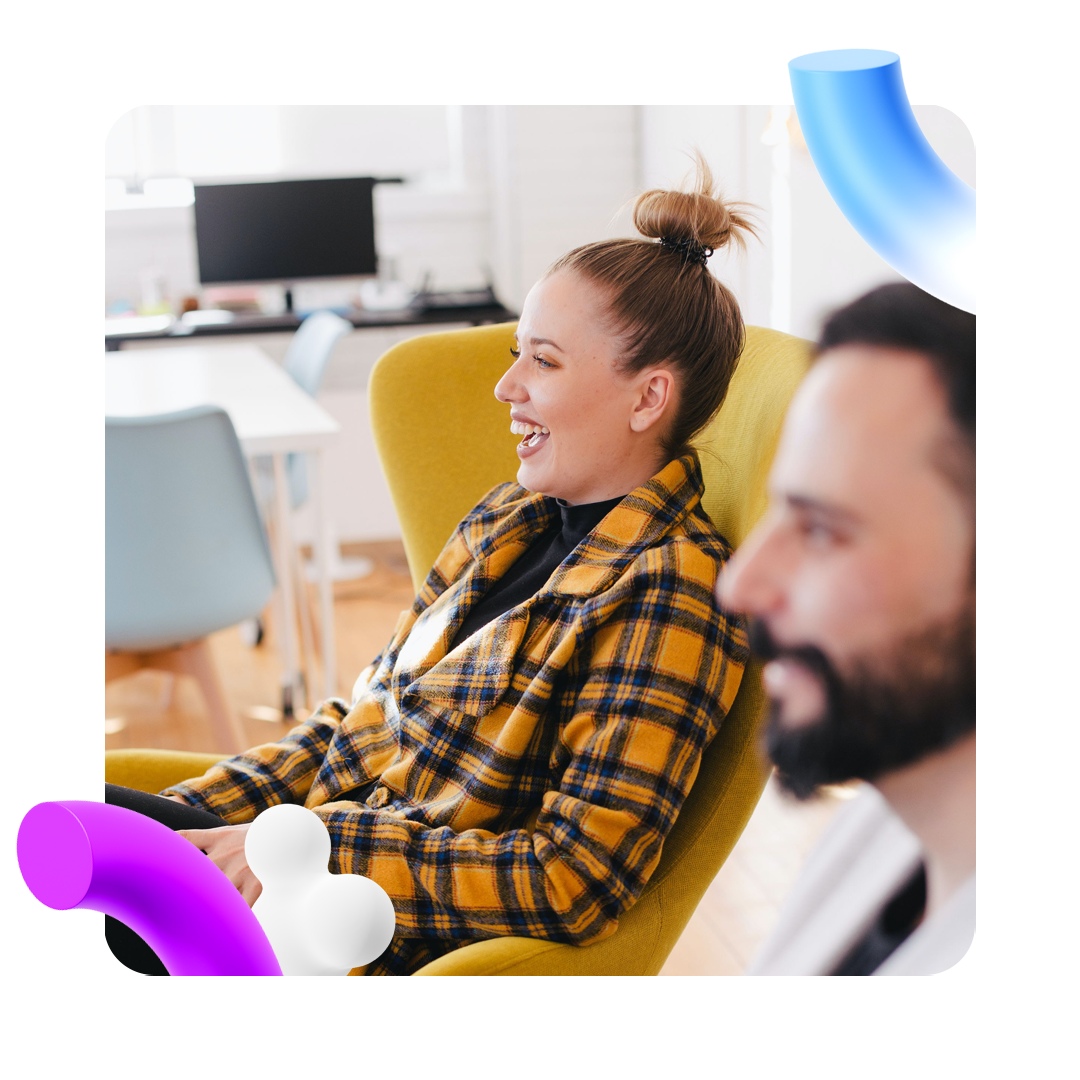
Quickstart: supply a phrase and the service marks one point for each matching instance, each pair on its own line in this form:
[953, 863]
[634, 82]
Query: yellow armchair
[443, 441]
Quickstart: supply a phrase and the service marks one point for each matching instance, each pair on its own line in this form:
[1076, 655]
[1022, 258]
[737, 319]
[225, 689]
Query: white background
[70, 71]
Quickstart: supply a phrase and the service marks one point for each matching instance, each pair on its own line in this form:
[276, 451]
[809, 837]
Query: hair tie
[693, 251]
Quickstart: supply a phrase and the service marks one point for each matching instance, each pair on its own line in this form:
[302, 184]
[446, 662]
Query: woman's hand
[225, 847]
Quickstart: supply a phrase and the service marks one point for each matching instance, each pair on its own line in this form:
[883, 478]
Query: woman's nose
[509, 389]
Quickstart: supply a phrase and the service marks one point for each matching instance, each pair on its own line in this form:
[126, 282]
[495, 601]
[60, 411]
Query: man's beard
[885, 715]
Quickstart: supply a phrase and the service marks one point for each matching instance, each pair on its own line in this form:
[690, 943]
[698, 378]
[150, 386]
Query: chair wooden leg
[117, 665]
[167, 691]
[228, 729]
[192, 659]
[284, 631]
[307, 640]
[314, 615]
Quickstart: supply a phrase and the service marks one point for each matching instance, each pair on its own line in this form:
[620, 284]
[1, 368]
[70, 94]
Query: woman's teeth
[518, 428]
[533, 432]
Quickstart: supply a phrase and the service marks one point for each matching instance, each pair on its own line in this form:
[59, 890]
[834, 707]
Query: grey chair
[306, 360]
[185, 550]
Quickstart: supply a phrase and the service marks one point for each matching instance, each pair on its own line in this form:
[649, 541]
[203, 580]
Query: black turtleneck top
[533, 568]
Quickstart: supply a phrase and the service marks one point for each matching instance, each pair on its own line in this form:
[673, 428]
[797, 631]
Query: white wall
[233, 140]
[669, 135]
[823, 261]
[156, 242]
[560, 176]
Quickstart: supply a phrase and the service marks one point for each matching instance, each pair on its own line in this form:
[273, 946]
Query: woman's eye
[542, 362]
[515, 353]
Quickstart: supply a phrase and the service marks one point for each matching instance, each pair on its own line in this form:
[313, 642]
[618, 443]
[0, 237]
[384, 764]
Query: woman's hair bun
[700, 214]
[664, 309]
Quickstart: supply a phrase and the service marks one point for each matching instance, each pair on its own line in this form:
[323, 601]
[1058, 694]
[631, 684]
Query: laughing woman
[513, 760]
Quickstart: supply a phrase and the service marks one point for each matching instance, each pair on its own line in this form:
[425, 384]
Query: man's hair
[902, 316]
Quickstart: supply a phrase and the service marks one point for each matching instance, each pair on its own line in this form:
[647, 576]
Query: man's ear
[655, 398]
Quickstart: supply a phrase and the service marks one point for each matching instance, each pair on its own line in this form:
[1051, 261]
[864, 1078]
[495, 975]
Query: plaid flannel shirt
[526, 777]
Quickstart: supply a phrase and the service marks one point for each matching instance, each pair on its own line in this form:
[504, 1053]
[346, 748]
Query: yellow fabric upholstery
[154, 770]
[442, 438]
[444, 441]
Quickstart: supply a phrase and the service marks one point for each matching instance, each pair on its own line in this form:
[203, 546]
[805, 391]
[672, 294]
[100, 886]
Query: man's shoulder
[941, 942]
[864, 855]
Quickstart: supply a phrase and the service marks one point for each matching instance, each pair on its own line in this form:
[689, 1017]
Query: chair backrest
[306, 360]
[437, 470]
[185, 552]
[311, 346]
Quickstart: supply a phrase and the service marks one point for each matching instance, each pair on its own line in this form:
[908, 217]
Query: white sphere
[286, 845]
[348, 920]
[317, 923]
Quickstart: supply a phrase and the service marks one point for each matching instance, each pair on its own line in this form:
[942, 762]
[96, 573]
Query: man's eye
[817, 533]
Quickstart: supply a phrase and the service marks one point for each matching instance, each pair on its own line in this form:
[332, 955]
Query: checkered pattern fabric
[527, 776]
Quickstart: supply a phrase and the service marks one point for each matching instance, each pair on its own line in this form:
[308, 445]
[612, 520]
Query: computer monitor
[285, 230]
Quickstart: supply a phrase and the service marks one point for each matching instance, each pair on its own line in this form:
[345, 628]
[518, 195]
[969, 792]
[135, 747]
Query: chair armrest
[506, 956]
[154, 770]
[636, 949]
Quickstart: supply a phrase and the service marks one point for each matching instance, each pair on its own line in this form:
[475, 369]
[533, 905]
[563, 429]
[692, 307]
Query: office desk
[266, 324]
[272, 416]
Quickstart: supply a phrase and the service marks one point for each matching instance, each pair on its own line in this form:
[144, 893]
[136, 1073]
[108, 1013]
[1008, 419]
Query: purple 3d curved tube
[105, 858]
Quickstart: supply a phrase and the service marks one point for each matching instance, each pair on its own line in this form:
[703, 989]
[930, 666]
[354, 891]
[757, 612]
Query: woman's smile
[535, 435]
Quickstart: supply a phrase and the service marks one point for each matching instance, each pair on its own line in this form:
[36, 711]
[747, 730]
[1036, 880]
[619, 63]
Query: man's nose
[748, 581]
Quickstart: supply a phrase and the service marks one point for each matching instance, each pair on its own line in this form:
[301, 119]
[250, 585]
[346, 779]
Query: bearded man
[860, 586]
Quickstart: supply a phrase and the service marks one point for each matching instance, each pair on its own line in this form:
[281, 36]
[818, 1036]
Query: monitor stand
[289, 310]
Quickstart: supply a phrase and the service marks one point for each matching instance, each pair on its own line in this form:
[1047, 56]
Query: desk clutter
[472, 307]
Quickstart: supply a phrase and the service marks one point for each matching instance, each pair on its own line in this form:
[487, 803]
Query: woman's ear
[657, 393]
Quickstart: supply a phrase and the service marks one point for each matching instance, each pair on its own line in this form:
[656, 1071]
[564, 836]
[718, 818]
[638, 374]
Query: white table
[272, 416]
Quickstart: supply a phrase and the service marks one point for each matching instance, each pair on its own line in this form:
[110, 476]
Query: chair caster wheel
[252, 633]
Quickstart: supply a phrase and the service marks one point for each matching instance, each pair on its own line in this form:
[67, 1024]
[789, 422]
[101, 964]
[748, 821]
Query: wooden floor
[149, 709]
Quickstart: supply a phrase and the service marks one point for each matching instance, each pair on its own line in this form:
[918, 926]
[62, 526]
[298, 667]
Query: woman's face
[589, 433]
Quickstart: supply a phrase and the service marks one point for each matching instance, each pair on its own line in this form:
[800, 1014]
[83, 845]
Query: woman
[512, 762]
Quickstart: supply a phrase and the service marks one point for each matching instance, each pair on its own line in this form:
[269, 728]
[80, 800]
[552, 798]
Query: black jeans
[124, 943]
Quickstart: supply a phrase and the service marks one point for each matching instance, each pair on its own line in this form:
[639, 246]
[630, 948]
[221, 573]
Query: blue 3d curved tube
[882, 173]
